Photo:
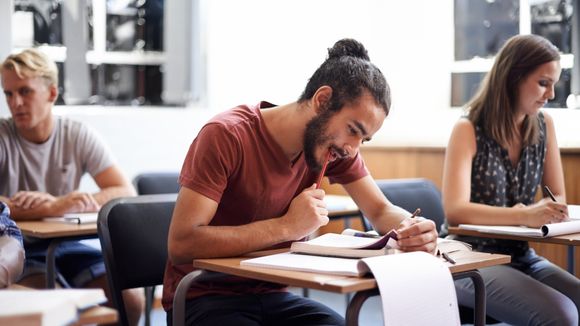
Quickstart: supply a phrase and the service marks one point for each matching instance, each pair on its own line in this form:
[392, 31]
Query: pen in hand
[416, 213]
[551, 195]
[323, 170]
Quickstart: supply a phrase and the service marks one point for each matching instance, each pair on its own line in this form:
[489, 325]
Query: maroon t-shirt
[235, 161]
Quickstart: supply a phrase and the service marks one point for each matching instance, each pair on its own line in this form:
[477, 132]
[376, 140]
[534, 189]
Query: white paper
[547, 230]
[574, 212]
[416, 289]
[306, 263]
[75, 218]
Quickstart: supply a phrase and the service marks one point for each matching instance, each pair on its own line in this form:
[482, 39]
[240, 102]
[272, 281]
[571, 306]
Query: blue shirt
[7, 225]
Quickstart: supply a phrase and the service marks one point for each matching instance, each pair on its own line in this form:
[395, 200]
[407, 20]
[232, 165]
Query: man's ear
[321, 98]
[53, 95]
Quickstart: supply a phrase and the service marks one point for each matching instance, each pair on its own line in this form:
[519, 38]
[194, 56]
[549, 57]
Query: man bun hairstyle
[349, 72]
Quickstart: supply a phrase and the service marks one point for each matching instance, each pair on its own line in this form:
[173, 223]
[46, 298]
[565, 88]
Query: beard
[314, 136]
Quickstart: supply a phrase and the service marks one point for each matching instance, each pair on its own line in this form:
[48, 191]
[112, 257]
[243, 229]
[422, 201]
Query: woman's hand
[545, 211]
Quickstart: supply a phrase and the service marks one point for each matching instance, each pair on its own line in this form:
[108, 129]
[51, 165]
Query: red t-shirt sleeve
[210, 160]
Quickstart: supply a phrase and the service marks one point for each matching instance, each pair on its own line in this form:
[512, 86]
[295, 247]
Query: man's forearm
[106, 194]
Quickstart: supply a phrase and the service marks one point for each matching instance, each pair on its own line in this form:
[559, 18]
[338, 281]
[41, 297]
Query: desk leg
[51, 264]
[475, 276]
[571, 263]
[353, 308]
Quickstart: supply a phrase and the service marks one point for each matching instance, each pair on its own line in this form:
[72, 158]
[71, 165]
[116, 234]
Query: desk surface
[466, 260]
[567, 239]
[97, 315]
[48, 230]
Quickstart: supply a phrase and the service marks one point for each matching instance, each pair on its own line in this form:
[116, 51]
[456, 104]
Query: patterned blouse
[496, 182]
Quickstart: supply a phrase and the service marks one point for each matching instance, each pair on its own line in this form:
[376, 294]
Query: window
[483, 26]
[111, 52]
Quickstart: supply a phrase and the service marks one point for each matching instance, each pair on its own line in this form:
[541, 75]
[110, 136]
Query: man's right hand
[31, 199]
[307, 212]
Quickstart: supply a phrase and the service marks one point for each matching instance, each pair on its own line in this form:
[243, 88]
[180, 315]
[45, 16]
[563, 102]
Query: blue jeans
[529, 291]
[278, 308]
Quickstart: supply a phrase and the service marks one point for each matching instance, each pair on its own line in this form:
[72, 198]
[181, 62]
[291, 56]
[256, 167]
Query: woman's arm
[456, 191]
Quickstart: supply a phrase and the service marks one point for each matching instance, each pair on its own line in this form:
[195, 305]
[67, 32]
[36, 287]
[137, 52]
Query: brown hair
[493, 107]
[32, 63]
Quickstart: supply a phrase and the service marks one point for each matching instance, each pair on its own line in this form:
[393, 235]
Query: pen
[415, 213]
[365, 235]
[449, 259]
[321, 175]
[551, 195]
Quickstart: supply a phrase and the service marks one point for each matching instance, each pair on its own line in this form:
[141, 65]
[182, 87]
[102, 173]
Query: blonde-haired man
[42, 160]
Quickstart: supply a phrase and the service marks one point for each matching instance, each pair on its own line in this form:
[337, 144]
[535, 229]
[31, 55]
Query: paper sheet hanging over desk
[547, 230]
[416, 289]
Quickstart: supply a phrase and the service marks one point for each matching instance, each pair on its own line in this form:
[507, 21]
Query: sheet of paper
[306, 263]
[574, 212]
[416, 289]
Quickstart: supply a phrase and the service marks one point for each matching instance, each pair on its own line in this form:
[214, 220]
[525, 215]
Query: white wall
[266, 50]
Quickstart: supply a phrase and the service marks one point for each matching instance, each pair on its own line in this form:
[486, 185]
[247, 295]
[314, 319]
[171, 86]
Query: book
[75, 218]
[546, 230]
[350, 244]
[46, 307]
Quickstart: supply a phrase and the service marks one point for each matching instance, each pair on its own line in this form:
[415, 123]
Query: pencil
[415, 213]
[321, 175]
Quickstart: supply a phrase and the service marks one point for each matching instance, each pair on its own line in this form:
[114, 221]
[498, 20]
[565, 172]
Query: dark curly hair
[349, 72]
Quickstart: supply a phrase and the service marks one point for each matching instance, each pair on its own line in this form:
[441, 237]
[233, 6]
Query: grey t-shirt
[55, 166]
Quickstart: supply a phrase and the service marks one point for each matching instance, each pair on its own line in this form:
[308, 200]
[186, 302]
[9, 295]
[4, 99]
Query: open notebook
[425, 281]
[546, 230]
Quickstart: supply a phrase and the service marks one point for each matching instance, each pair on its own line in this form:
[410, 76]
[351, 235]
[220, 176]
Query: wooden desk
[57, 232]
[570, 240]
[466, 265]
[97, 315]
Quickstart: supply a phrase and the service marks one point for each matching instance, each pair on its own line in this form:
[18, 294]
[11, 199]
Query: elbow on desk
[178, 254]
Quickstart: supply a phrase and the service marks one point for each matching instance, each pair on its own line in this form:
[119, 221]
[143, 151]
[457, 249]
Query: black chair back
[153, 183]
[133, 232]
[410, 194]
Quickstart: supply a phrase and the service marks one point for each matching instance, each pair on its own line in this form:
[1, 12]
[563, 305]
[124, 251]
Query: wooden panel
[394, 163]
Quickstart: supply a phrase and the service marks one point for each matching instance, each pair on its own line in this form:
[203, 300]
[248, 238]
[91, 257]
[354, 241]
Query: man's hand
[74, 202]
[31, 199]
[417, 234]
[306, 213]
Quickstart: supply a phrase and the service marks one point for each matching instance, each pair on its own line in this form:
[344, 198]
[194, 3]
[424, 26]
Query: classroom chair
[133, 232]
[153, 183]
[411, 194]
[420, 193]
